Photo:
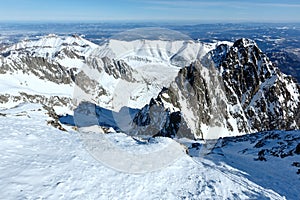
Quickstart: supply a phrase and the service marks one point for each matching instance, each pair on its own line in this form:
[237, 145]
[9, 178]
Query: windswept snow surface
[19, 82]
[277, 170]
[40, 162]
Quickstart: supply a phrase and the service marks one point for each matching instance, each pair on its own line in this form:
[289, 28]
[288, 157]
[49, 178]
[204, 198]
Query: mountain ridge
[232, 88]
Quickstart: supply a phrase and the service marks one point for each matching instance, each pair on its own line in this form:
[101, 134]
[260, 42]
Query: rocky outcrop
[157, 119]
[54, 118]
[30, 98]
[41, 67]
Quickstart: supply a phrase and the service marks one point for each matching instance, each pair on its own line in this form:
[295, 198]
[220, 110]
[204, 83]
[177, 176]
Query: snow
[122, 153]
[275, 173]
[41, 162]
[19, 82]
[54, 43]
[70, 63]
[215, 132]
[151, 50]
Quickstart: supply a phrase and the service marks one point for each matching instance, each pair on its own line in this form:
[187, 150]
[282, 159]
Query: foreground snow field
[38, 161]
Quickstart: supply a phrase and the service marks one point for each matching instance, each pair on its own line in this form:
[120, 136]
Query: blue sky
[151, 10]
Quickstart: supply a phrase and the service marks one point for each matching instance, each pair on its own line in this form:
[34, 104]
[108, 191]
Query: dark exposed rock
[279, 144]
[296, 164]
[261, 155]
[297, 150]
[260, 144]
[156, 120]
[260, 87]
[194, 89]
[88, 85]
[116, 68]
[40, 67]
[55, 119]
[25, 97]
[43, 61]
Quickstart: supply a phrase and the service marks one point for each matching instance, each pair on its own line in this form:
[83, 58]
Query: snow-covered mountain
[244, 93]
[185, 90]
[42, 70]
[205, 90]
[73, 61]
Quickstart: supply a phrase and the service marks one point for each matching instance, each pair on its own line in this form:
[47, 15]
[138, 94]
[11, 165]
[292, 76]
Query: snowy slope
[270, 159]
[38, 161]
[137, 52]
[41, 70]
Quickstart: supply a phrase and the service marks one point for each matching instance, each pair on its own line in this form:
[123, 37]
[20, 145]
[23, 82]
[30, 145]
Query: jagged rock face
[197, 98]
[269, 98]
[116, 68]
[199, 90]
[88, 85]
[297, 116]
[244, 68]
[246, 93]
[40, 67]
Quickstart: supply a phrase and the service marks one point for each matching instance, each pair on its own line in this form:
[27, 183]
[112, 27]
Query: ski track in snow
[41, 162]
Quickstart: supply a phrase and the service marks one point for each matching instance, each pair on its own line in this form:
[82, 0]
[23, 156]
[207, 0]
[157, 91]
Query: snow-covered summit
[52, 41]
[137, 52]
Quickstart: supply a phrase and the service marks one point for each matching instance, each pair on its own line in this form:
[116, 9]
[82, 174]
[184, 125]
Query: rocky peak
[244, 68]
[264, 92]
[244, 42]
